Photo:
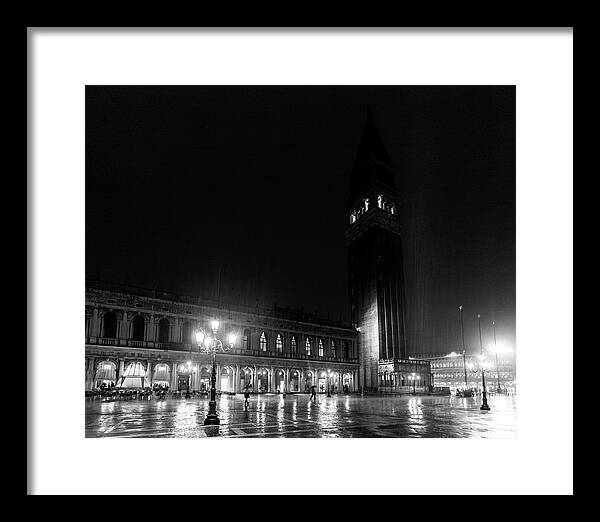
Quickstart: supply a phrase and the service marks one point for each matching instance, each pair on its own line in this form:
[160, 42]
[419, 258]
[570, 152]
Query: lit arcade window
[263, 342]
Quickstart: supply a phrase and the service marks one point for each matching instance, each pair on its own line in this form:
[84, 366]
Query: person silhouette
[246, 397]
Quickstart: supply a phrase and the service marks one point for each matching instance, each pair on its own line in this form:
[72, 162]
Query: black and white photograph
[314, 261]
[338, 261]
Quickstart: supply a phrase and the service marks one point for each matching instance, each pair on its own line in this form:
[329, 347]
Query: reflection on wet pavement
[297, 416]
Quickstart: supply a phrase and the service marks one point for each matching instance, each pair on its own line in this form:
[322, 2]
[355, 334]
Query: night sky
[186, 183]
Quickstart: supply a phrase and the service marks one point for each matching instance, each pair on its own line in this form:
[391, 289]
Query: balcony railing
[190, 348]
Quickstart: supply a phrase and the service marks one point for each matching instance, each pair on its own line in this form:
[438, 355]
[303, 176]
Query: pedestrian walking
[313, 393]
[246, 397]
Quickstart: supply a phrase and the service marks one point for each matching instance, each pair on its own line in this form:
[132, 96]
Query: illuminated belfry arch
[375, 257]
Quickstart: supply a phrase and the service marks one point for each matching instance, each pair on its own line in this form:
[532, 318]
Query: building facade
[457, 372]
[145, 333]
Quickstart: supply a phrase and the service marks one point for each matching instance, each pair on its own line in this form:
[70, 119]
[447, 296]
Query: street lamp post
[414, 384]
[329, 383]
[498, 389]
[212, 345]
[464, 353]
[484, 404]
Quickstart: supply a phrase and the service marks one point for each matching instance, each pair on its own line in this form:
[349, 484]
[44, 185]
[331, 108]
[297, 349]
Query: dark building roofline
[278, 312]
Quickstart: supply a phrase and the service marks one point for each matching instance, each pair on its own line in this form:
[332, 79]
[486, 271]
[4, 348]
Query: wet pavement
[296, 416]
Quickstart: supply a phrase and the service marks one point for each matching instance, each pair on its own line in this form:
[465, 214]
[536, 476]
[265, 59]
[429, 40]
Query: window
[380, 201]
[279, 343]
[263, 342]
[307, 346]
[346, 350]
[352, 217]
[320, 348]
[110, 325]
[333, 349]
[366, 204]
[163, 330]
[137, 324]
[294, 344]
[246, 340]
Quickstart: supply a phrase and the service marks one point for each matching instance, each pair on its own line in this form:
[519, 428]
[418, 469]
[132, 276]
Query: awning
[132, 382]
[106, 372]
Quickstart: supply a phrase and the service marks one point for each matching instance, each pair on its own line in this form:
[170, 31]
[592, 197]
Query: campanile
[374, 242]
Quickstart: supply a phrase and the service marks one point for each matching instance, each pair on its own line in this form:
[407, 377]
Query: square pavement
[295, 416]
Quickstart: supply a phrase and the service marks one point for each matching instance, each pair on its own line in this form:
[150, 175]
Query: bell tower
[374, 244]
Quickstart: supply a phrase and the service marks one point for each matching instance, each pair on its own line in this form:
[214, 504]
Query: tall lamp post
[464, 353]
[484, 404]
[498, 389]
[212, 345]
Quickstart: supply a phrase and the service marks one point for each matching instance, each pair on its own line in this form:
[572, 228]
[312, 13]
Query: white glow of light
[231, 338]
[500, 348]
[214, 325]
[207, 342]
[199, 337]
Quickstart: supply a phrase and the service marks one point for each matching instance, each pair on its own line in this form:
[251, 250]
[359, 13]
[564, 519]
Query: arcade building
[138, 337]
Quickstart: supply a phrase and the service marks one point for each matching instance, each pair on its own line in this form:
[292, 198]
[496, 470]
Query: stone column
[236, 378]
[121, 368]
[124, 326]
[150, 329]
[174, 365]
[149, 372]
[287, 379]
[254, 380]
[174, 334]
[91, 371]
[271, 380]
[95, 326]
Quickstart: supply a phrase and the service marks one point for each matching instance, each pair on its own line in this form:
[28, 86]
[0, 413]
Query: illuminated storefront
[457, 373]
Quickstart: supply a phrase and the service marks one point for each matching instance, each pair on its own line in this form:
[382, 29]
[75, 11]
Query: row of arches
[267, 341]
[311, 345]
[139, 325]
[230, 378]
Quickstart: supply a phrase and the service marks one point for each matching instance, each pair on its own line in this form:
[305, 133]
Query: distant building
[450, 371]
